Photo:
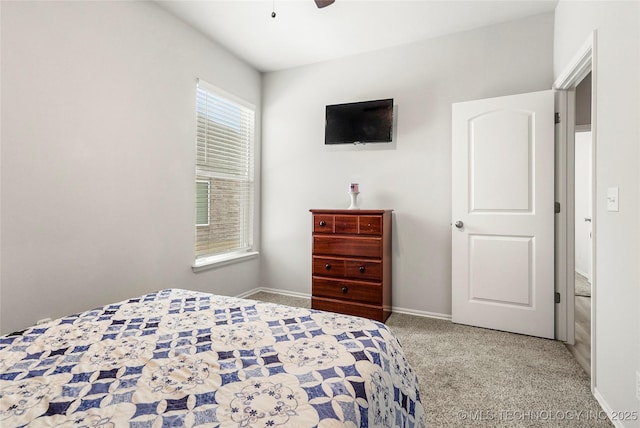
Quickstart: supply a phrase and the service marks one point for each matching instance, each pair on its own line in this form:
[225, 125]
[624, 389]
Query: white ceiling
[303, 34]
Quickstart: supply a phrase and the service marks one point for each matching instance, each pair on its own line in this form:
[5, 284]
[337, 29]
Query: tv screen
[362, 122]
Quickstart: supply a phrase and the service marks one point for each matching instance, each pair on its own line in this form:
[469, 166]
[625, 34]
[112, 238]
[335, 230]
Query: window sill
[222, 260]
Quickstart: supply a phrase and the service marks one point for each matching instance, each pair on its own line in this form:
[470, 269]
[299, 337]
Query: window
[203, 202]
[224, 179]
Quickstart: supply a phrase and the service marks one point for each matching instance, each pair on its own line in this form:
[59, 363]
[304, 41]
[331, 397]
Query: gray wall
[617, 155]
[98, 152]
[413, 174]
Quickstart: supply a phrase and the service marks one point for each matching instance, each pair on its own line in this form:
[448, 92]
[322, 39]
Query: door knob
[459, 224]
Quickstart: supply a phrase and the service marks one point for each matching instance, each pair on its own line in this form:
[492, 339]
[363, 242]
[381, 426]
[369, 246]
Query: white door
[503, 213]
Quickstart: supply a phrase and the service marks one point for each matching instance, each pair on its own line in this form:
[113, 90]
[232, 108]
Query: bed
[178, 358]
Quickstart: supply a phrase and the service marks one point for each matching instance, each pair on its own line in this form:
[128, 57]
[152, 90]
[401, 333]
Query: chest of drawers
[351, 262]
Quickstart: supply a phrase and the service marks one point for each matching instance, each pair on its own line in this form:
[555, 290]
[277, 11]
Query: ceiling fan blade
[323, 3]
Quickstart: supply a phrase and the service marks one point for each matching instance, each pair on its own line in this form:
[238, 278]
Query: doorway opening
[583, 233]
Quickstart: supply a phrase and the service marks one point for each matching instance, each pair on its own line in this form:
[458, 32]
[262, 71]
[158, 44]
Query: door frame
[584, 61]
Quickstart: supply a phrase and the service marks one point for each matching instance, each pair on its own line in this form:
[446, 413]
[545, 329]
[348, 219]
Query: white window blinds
[224, 173]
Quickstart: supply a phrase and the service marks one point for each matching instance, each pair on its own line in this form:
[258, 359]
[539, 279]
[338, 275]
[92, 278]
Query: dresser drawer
[347, 268]
[350, 308]
[370, 225]
[322, 223]
[348, 246]
[346, 224]
[348, 290]
[328, 267]
[360, 269]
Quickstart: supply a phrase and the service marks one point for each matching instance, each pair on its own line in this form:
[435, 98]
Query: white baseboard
[308, 296]
[247, 293]
[274, 291]
[606, 408]
[424, 314]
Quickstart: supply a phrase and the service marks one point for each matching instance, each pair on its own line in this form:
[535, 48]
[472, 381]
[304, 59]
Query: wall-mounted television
[361, 122]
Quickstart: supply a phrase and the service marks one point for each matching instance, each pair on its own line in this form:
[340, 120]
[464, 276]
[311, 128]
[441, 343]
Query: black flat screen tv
[361, 122]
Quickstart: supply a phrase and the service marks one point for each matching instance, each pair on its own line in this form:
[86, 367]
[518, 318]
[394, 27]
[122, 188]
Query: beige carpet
[476, 377]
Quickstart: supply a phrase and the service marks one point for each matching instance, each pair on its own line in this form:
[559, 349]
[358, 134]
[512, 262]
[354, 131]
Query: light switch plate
[612, 199]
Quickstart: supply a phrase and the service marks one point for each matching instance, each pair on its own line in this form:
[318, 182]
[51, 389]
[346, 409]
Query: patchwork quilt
[178, 358]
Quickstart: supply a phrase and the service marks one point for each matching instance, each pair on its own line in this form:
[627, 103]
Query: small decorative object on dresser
[351, 262]
[353, 193]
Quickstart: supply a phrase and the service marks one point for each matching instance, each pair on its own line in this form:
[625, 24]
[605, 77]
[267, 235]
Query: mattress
[178, 358]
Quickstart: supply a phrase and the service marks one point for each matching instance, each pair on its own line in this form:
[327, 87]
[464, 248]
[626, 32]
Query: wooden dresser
[351, 262]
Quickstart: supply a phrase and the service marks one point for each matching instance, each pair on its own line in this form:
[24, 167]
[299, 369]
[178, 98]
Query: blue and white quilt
[177, 358]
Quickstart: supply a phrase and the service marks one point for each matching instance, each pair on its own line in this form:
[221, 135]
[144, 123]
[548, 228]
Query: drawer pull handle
[361, 269]
[323, 223]
[327, 266]
[345, 290]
